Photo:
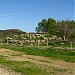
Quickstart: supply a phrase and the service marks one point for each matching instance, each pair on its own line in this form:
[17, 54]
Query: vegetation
[52, 52]
[29, 68]
[9, 33]
[64, 29]
[54, 40]
[23, 68]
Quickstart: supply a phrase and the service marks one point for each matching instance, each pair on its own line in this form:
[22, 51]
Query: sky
[25, 14]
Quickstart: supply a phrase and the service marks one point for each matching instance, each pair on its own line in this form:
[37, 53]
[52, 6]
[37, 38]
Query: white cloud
[3, 19]
[10, 14]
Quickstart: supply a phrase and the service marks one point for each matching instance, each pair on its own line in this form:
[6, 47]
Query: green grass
[56, 54]
[27, 68]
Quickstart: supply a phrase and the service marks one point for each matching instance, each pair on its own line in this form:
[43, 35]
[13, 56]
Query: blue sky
[25, 14]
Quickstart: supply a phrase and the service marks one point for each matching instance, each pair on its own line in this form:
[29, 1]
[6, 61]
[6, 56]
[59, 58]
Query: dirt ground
[4, 71]
[19, 56]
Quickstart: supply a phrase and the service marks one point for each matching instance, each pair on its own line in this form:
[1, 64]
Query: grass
[27, 68]
[56, 54]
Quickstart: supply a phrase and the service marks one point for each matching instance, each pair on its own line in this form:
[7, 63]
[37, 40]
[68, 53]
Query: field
[15, 60]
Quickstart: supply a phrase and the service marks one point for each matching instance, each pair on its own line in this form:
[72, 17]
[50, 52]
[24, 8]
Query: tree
[41, 26]
[47, 26]
[65, 29]
[50, 27]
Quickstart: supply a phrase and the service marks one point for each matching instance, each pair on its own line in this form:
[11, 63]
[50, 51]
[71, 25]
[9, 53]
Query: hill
[9, 32]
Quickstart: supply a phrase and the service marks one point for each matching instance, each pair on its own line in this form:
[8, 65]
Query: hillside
[9, 32]
[32, 61]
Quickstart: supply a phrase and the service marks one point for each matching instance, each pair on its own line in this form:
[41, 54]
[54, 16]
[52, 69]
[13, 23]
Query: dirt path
[4, 71]
[19, 56]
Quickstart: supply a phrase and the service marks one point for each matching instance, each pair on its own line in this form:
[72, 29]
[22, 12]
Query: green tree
[50, 27]
[41, 26]
[47, 26]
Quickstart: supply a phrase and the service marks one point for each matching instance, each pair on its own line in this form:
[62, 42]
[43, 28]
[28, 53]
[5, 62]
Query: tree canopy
[64, 29]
